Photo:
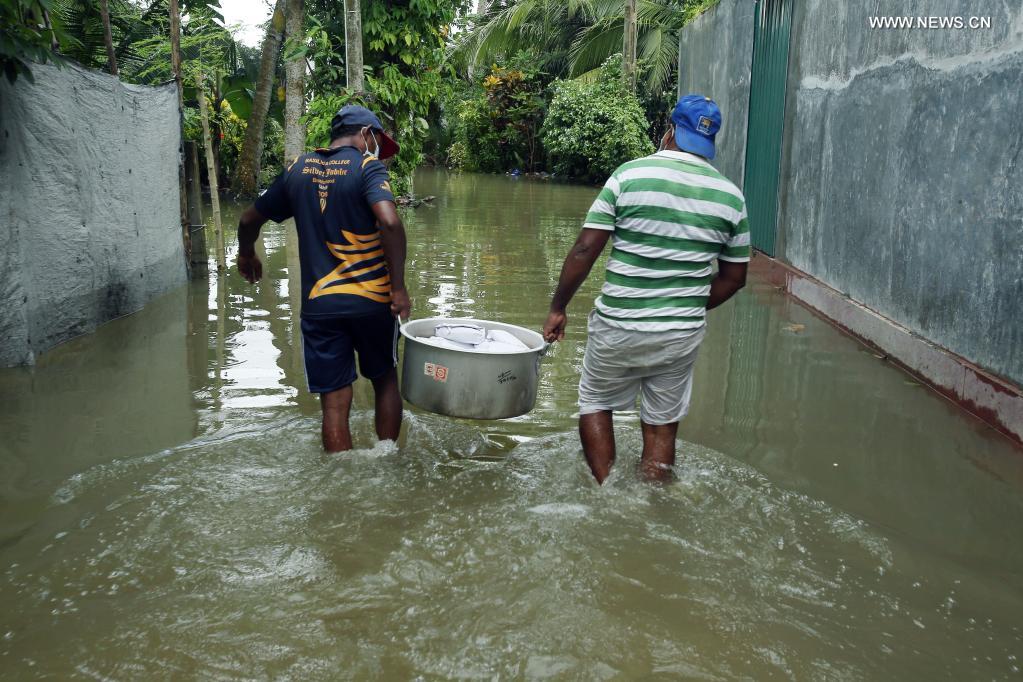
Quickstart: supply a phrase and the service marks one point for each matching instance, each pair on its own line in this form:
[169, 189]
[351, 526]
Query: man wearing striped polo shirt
[671, 216]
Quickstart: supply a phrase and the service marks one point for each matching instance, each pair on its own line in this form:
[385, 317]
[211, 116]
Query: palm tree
[108, 39]
[138, 33]
[574, 37]
[545, 27]
[658, 23]
[247, 172]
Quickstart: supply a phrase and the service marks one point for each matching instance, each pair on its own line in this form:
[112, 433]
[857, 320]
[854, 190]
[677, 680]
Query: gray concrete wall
[902, 177]
[89, 212]
[714, 60]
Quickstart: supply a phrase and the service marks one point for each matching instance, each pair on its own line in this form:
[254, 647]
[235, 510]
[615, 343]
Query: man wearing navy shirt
[352, 252]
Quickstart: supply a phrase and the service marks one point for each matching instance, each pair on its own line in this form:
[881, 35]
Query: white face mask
[376, 152]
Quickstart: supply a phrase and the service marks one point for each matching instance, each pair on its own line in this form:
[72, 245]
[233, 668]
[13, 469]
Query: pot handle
[540, 356]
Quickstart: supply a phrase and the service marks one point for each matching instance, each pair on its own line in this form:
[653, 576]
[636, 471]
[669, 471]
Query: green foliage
[404, 54]
[478, 139]
[572, 38]
[458, 156]
[322, 45]
[192, 125]
[657, 106]
[594, 127]
[659, 22]
[546, 27]
[443, 118]
[319, 113]
[273, 152]
[25, 35]
[205, 46]
[228, 132]
[140, 33]
[404, 51]
[499, 126]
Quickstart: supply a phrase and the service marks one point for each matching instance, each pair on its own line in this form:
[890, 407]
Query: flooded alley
[166, 510]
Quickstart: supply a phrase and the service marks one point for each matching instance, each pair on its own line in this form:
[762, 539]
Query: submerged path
[165, 508]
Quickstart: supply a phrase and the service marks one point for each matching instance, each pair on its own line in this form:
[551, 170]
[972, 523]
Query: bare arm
[730, 278]
[583, 254]
[248, 232]
[392, 236]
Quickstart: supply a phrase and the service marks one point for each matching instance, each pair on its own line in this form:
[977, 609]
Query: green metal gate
[766, 119]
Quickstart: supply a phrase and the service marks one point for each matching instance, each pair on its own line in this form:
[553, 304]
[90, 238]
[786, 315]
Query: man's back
[330, 193]
[352, 251]
[672, 214]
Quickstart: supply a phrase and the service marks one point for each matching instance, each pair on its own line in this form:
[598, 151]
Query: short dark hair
[339, 131]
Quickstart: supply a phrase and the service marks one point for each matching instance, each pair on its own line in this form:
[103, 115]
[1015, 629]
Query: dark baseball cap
[354, 115]
[697, 120]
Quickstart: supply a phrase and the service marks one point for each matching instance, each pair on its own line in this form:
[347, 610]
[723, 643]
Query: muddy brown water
[166, 512]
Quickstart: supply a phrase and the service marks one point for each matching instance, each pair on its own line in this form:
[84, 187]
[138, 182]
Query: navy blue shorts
[331, 343]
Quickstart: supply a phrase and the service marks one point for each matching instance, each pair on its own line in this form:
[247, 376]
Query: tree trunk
[108, 39]
[211, 170]
[294, 95]
[353, 46]
[218, 132]
[294, 145]
[629, 46]
[175, 40]
[247, 173]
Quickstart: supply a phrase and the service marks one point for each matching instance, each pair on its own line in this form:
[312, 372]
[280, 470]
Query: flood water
[166, 510]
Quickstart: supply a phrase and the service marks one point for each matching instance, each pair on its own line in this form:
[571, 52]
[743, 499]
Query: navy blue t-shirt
[330, 193]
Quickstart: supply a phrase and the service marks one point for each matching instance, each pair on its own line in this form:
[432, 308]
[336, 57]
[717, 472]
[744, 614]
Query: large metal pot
[470, 384]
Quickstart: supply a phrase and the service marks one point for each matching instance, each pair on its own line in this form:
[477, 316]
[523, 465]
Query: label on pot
[436, 372]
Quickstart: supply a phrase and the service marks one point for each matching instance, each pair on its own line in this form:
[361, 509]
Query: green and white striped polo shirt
[672, 214]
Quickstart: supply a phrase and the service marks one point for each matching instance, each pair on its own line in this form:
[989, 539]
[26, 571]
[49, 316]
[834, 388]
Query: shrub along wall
[592, 128]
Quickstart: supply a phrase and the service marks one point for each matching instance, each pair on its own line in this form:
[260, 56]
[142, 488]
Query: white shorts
[620, 364]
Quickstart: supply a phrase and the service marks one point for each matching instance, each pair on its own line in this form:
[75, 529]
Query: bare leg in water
[596, 431]
[388, 406]
[336, 406]
[658, 451]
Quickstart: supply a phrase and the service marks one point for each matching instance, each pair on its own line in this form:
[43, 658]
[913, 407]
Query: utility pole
[353, 46]
[629, 46]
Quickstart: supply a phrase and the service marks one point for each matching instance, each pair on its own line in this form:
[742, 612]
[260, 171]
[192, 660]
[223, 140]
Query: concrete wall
[901, 178]
[714, 60]
[89, 213]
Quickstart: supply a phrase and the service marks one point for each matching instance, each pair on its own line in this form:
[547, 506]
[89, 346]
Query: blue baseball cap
[354, 115]
[697, 120]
